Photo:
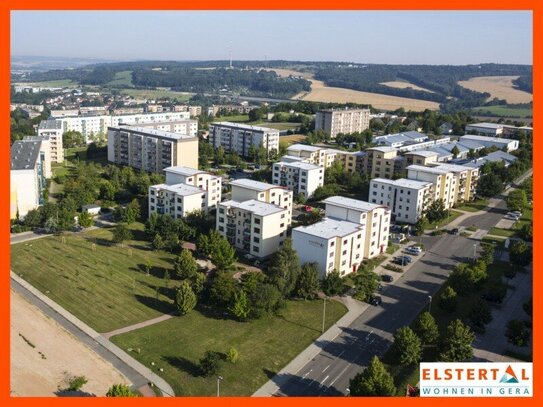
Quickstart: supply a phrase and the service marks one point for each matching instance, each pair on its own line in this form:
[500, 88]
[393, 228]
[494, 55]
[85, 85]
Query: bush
[210, 363]
[448, 300]
[232, 355]
[392, 267]
[76, 383]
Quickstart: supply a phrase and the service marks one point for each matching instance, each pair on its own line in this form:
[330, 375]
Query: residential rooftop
[186, 171]
[403, 182]
[300, 164]
[152, 132]
[431, 170]
[423, 153]
[485, 138]
[252, 184]
[383, 149]
[50, 125]
[244, 126]
[179, 189]
[304, 147]
[450, 167]
[329, 228]
[350, 203]
[259, 208]
[486, 125]
[24, 154]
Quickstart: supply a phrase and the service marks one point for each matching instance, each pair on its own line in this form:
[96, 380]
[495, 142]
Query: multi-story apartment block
[331, 243]
[247, 189]
[27, 176]
[406, 198]
[206, 181]
[466, 180]
[176, 200]
[151, 150]
[256, 227]
[300, 177]
[334, 121]
[187, 127]
[45, 151]
[375, 219]
[53, 130]
[422, 157]
[444, 182]
[325, 157]
[240, 138]
[383, 162]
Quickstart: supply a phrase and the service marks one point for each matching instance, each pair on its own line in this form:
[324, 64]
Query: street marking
[367, 337]
[338, 376]
[326, 368]
[305, 375]
[342, 352]
[322, 383]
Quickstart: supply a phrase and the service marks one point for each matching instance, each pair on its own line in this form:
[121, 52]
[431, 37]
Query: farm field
[156, 94]
[294, 138]
[500, 87]
[265, 346]
[404, 85]
[123, 78]
[61, 83]
[505, 111]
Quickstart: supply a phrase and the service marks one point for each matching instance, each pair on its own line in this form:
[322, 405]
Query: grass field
[123, 78]
[61, 83]
[295, 138]
[281, 125]
[453, 215]
[404, 85]
[265, 346]
[104, 288]
[502, 232]
[156, 94]
[477, 205]
[505, 111]
[500, 87]
[240, 118]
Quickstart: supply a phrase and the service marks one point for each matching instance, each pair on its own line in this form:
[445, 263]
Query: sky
[387, 37]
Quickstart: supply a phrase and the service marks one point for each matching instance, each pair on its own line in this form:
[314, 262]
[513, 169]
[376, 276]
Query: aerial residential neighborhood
[270, 227]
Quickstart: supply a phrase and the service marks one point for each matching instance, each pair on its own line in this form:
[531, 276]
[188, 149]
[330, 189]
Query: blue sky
[391, 37]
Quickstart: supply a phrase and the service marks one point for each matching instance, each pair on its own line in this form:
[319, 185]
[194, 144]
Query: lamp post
[430, 303]
[474, 251]
[324, 312]
[219, 378]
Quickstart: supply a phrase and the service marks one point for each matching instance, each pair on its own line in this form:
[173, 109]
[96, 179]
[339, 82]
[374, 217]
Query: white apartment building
[375, 219]
[300, 177]
[149, 149]
[241, 137]
[334, 121]
[53, 130]
[187, 127]
[509, 144]
[45, 151]
[444, 182]
[256, 227]
[246, 189]
[176, 200]
[406, 198]
[466, 180]
[331, 243]
[206, 181]
[27, 177]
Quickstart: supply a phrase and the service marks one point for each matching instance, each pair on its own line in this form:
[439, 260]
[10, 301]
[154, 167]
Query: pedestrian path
[139, 325]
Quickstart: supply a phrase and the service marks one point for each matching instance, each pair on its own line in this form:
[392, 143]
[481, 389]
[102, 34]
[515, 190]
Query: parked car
[404, 259]
[387, 278]
[415, 251]
[376, 300]
[454, 231]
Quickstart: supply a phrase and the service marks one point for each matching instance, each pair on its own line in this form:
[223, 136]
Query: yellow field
[322, 93]
[404, 85]
[294, 138]
[500, 87]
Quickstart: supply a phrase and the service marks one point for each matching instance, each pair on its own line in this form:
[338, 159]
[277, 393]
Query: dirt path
[44, 356]
[138, 325]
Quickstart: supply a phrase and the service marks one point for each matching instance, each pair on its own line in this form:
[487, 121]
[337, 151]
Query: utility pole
[323, 313]
[430, 303]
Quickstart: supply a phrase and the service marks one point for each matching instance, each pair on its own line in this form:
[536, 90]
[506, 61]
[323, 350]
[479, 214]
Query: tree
[332, 284]
[240, 307]
[455, 151]
[426, 328]
[121, 233]
[436, 211]
[520, 254]
[158, 242]
[33, 218]
[232, 355]
[210, 363]
[147, 266]
[526, 231]
[72, 139]
[185, 266]
[284, 268]
[84, 219]
[185, 299]
[448, 299]
[456, 346]
[222, 289]
[487, 255]
[421, 226]
[222, 255]
[132, 212]
[516, 333]
[107, 190]
[467, 278]
[517, 200]
[407, 346]
[197, 283]
[51, 225]
[265, 299]
[489, 185]
[120, 390]
[365, 283]
[307, 284]
[374, 381]
[480, 314]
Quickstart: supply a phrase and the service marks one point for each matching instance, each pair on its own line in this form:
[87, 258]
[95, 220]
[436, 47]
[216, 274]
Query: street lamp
[219, 378]
[324, 312]
[430, 303]
[474, 251]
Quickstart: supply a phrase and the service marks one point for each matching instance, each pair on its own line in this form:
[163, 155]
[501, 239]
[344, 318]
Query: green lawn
[501, 232]
[265, 346]
[280, 125]
[453, 215]
[392, 248]
[104, 288]
[61, 83]
[156, 94]
[477, 205]
[122, 78]
[240, 118]
[505, 111]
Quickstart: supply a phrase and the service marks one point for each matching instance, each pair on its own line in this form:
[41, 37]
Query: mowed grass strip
[105, 288]
[265, 346]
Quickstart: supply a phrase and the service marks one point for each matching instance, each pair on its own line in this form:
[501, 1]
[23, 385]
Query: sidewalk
[139, 325]
[117, 352]
[355, 309]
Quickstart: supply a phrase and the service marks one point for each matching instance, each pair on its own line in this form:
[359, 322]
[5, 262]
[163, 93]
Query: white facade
[187, 127]
[300, 177]
[375, 219]
[256, 227]
[332, 244]
[176, 200]
[240, 137]
[53, 130]
[344, 121]
[498, 142]
[466, 180]
[444, 182]
[407, 199]
[203, 180]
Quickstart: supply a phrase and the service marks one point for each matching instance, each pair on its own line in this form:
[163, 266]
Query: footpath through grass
[105, 288]
[265, 346]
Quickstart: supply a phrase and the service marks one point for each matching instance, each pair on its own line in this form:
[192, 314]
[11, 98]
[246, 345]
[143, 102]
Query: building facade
[177, 200]
[466, 180]
[186, 127]
[300, 177]
[383, 162]
[444, 182]
[210, 183]
[239, 138]
[334, 121]
[53, 130]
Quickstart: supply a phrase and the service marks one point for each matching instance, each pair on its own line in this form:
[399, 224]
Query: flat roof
[24, 154]
[352, 203]
[252, 184]
[451, 167]
[304, 147]
[383, 149]
[432, 170]
[180, 189]
[187, 171]
[329, 228]
[50, 125]
[166, 122]
[423, 153]
[403, 182]
[486, 125]
[257, 207]
[344, 110]
[152, 132]
[244, 126]
[300, 164]
[486, 138]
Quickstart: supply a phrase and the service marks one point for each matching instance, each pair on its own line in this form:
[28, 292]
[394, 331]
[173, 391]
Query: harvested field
[294, 138]
[44, 356]
[500, 87]
[404, 85]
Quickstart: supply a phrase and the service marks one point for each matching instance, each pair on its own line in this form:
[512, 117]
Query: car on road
[387, 278]
[454, 231]
[375, 300]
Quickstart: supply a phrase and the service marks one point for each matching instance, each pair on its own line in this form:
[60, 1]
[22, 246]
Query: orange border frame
[536, 6]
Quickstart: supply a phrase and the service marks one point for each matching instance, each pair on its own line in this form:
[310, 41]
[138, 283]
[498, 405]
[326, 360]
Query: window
[256, 239]
[221, 210]
[179, 208]
[221, 219]
[344, 252]
[331, 264]
[256, 249]
[257, 221]
[331, 254]
[357, 256]
[152, 192]
[256, 230]
[332, 244]
[221, 229]
[345, 241]
[407, 208]
[283, 215]
[153, 200]
[282, 225]
[344, 262]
